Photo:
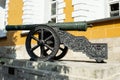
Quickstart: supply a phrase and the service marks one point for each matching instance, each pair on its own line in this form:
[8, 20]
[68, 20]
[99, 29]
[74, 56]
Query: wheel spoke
[49, 47]
[42, 51]
[45, 52]
[36, 39]
[42, 34]
[35, 47]
[48, 37]
[46, 49]
[61, 49]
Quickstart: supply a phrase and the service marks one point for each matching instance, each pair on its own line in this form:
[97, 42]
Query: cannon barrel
[82, 26]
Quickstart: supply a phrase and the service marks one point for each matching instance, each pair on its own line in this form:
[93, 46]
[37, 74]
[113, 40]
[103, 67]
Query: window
[2, 18]
[114, 9]
[53, 11]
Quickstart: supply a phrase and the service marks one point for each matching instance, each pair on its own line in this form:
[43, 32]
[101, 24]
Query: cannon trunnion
[44, 41]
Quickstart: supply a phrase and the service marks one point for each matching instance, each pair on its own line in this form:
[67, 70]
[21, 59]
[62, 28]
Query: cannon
[51, 38]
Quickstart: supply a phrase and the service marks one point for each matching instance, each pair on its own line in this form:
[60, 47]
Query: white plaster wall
[34, 11]
[3, 19]
[39, 11]
[86, 10]
[114, 1]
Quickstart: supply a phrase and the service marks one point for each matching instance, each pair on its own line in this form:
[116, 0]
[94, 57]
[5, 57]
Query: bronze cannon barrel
[81, 26]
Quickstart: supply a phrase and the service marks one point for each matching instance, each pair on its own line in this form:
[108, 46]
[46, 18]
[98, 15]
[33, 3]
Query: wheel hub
[41, 42]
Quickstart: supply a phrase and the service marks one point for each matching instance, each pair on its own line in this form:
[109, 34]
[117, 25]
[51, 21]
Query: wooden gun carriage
[49, 38]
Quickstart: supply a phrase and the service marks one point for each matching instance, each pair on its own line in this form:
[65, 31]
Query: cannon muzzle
[81, 26]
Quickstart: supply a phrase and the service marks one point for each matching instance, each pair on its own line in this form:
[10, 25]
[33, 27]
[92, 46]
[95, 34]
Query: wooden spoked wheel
[37, 44]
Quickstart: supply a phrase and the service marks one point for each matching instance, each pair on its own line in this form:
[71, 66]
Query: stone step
[64, 70]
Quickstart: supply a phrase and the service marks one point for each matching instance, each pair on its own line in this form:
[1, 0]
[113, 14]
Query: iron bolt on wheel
[37, 43]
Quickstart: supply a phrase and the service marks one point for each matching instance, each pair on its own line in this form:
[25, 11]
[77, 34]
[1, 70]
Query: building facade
[103, 14]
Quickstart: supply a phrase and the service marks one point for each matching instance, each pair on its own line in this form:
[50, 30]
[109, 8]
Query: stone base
[60, 70]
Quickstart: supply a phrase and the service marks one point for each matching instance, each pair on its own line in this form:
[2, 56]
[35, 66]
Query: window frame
[111, 13]
[54, 16]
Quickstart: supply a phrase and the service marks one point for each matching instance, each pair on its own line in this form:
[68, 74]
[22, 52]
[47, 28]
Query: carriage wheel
[61, 53]
[37, 43]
